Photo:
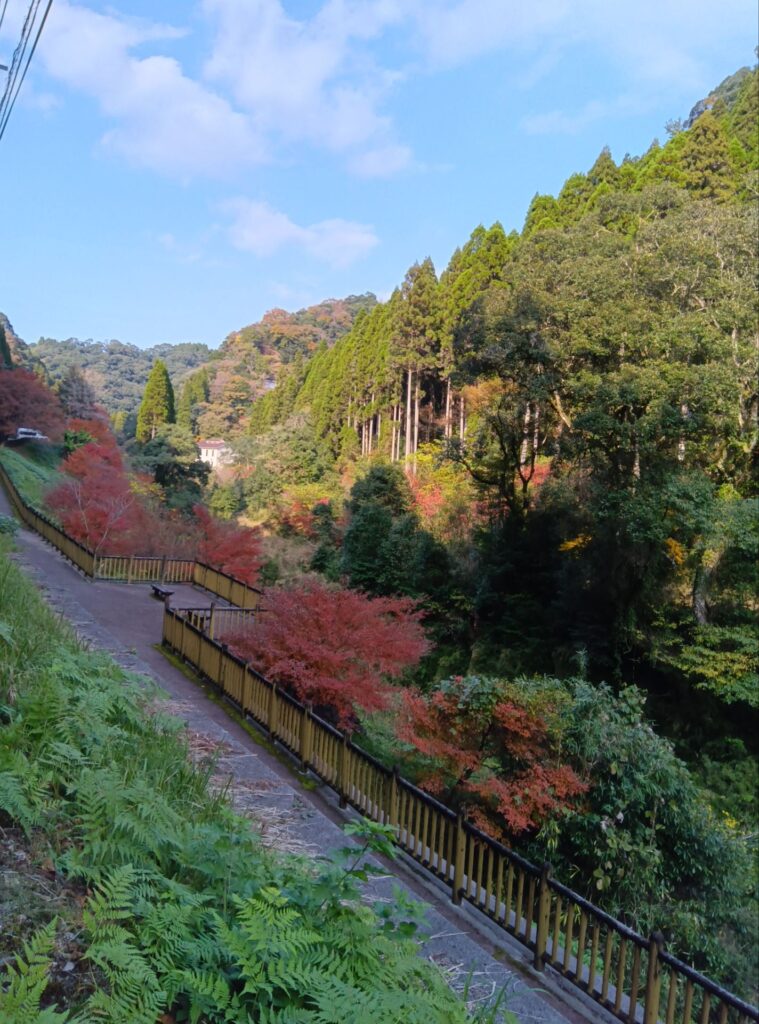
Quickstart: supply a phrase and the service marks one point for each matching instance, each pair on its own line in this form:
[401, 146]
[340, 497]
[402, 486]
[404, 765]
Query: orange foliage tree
[96, 503]
[334, 647]
[490, 751]
[26, 401]
[234, 549]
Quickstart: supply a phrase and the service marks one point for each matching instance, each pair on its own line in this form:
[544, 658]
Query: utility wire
[2, 12]
[18, 57]
[10, 95]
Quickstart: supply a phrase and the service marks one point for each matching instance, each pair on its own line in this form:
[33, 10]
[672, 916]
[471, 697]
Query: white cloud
[272, 81]
[382, 162]
[163, 119]
[657, 40]
[559, 122]
[258, 228]
[309, 80]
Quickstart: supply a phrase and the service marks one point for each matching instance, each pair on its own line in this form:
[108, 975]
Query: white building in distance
[215, 452]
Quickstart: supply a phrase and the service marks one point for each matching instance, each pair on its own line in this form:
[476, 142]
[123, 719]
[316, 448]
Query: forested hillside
[552, 448]
[116, 371]
[217, 399]
[229, 378]
[509, 522]
[582, 398]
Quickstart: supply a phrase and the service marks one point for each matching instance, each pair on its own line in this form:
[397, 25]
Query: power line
[10, 94]
[2, 13]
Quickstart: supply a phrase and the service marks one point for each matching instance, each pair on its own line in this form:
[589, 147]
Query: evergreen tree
[543, 215]
[157, 406]
[76, 394]
[604, 170]
[6, 360]
[705, 160]
[418, 329]
[195, 391]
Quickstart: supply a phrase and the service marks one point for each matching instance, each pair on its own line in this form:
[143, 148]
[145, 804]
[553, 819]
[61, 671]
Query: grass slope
[165, 900]
[32, 468]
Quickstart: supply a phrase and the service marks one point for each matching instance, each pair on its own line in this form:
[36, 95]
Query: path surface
[126, 621]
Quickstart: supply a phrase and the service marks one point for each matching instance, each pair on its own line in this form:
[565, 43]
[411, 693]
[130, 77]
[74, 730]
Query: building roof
[213, 442]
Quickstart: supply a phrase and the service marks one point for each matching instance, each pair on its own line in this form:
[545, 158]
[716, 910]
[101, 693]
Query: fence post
[653, 979]
[459, 852]
[273, 716]
[130, 569]
[544, 913]
[210, 619]
[220, 669]
[306, 738]
[342, 771]
[393, 799]
[163, 569]
[246, 688]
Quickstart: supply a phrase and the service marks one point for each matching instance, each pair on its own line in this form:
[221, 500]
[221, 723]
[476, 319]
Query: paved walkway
[126, 621]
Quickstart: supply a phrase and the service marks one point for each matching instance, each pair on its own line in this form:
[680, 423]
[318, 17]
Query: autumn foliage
[95, 426]
[334, 647]
[26, 401]
[488, 751]
[234, 549]
[97, 505]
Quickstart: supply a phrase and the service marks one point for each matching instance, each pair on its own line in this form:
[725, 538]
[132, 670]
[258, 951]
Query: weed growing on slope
[184, 911]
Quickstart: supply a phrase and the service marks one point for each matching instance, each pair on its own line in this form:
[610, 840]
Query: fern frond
[27, 980]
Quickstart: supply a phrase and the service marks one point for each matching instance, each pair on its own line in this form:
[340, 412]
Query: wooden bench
[160, 591]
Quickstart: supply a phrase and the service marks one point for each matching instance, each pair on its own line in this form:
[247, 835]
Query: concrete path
[126, 621]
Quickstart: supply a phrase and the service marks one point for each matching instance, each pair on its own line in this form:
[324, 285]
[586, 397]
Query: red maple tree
[489, 752]
[26, 401]
[96, 503]
[234, 549]
[97, 426]
[334, 647]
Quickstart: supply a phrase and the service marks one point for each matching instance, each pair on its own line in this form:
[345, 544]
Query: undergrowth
[185, 914]
[32, 472]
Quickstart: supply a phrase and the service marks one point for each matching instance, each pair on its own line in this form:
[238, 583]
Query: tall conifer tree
[6, 360]
[157, 406]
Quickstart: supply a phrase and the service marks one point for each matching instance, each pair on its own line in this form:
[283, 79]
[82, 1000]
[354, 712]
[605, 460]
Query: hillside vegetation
[229, 378]
[527, 488]
[159, 899]
[572, 412]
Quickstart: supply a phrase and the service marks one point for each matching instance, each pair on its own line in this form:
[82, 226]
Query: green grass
[185, 912]
[33, 471]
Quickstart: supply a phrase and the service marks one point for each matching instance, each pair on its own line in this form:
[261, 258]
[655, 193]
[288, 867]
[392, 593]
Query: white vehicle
[27, 434]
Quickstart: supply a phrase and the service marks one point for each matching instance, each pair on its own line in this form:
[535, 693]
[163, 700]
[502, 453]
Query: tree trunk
[448, 424]
[536, 432]
[704, 573]
[416, 420]
[462, 417]
[524, 451]
[684, 412]
[409, 438]
[636, 466]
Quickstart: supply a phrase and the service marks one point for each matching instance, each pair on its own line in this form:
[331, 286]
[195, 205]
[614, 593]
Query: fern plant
[26, 980]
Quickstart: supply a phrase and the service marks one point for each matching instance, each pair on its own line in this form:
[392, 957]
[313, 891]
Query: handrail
[633, 977]
[128, 568]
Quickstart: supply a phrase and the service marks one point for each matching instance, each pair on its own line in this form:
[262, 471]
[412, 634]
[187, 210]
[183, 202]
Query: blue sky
[172, 170]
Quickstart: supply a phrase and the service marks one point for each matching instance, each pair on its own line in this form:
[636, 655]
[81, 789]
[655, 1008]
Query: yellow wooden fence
[135, 568]
[633, 977]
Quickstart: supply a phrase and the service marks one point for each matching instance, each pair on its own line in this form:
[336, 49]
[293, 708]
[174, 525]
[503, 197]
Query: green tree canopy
[157, 406]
